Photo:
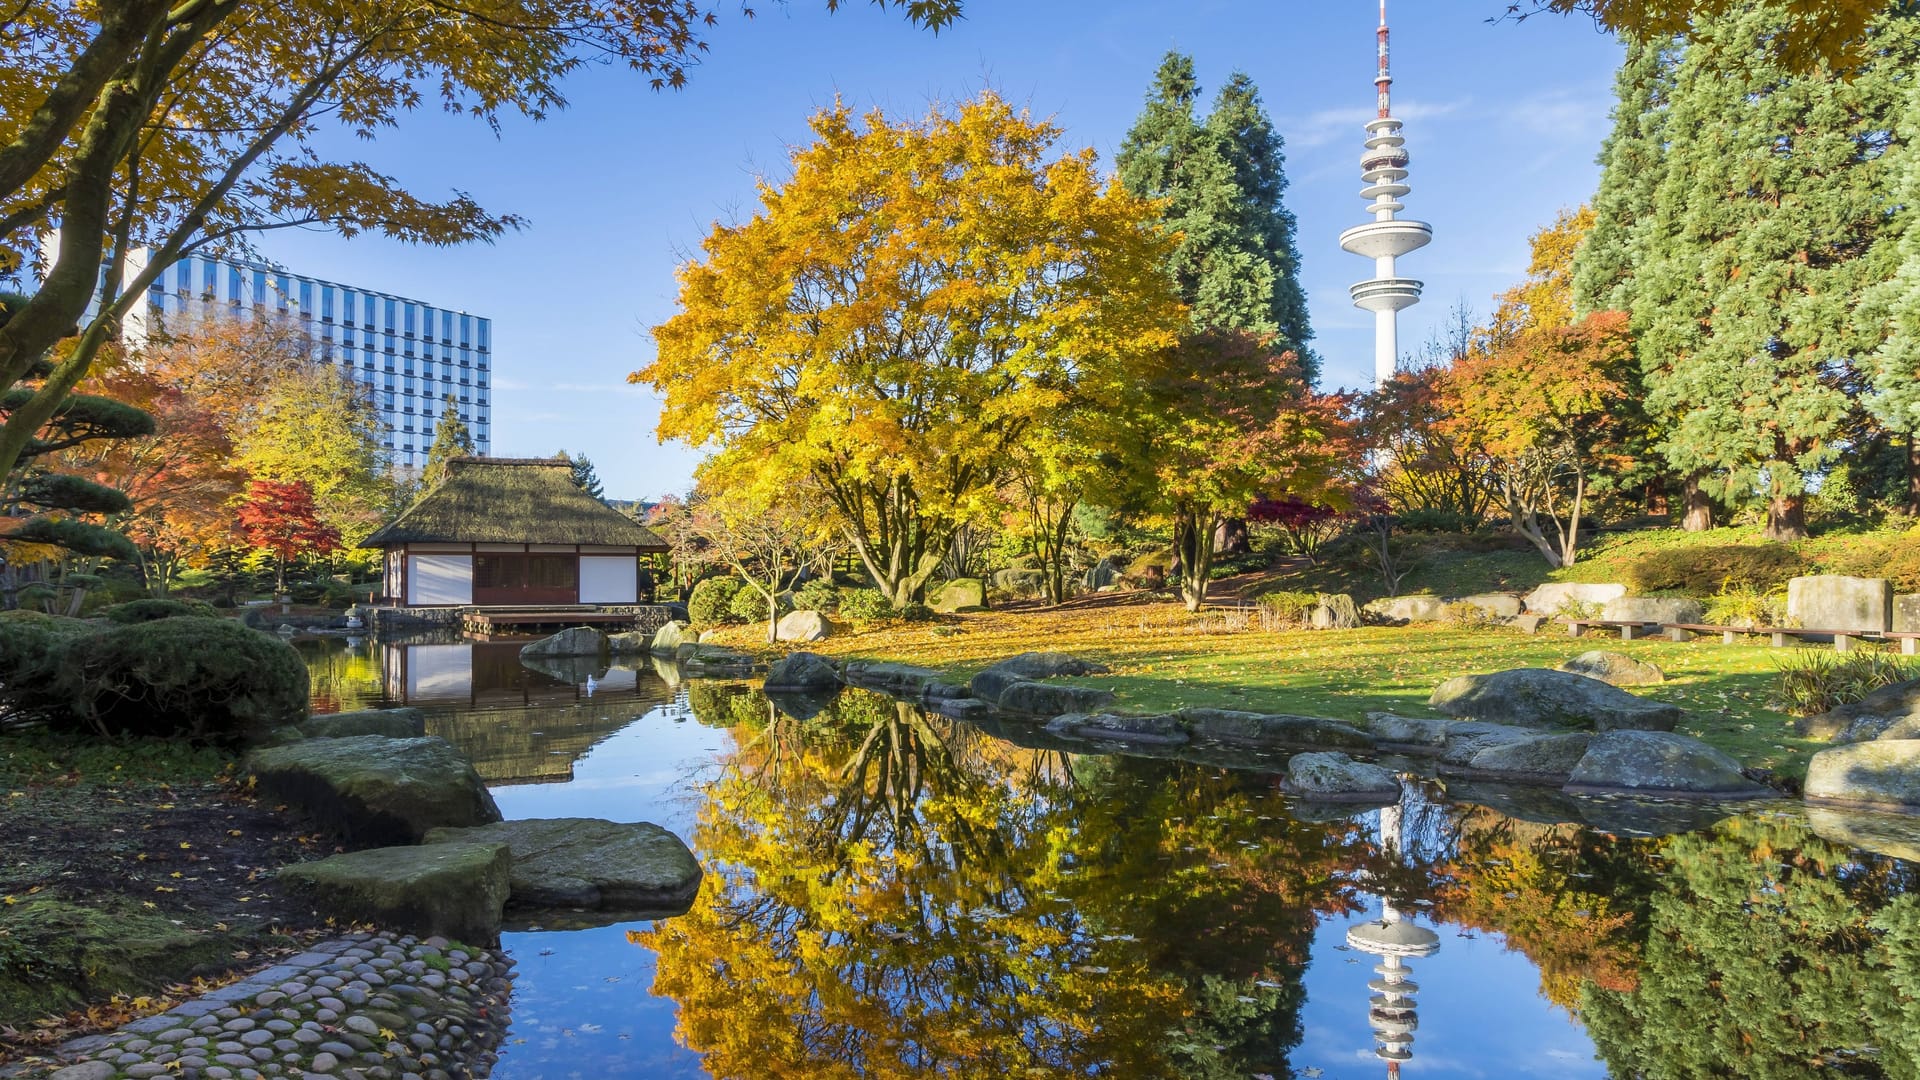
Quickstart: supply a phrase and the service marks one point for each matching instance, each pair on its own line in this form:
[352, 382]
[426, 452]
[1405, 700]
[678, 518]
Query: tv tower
[1391, 1011]
[1384, 169]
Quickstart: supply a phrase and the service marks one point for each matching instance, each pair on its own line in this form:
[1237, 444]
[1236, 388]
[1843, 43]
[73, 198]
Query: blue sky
[1502, 120]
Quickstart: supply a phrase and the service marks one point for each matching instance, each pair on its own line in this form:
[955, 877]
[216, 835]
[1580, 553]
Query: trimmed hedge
[819, 595]
[712, 600]
[139, 611]
[183, 676]
[749, 606]
[1710, 570]
[866, 605]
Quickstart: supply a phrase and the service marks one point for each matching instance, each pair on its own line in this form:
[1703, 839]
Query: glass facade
[409, 355]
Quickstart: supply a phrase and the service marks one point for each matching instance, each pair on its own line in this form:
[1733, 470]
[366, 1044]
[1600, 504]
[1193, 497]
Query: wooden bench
[1629, 628]
[1842, 639]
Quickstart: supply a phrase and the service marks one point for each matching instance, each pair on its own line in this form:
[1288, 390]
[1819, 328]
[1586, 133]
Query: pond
[896, 894]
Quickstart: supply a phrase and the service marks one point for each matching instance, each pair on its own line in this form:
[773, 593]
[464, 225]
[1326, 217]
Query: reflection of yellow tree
[894, 895]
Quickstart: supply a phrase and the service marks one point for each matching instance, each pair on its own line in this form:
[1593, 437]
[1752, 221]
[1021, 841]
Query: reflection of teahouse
[501, 532]
[1391, 937]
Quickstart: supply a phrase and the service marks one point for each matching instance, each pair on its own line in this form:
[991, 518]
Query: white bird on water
[590, 684]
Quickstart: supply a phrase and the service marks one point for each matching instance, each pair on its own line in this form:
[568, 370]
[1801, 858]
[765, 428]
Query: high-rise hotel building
[410, 355]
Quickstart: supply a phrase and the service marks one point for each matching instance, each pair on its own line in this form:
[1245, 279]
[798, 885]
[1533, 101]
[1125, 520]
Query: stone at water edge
[1881, 832]
[399, 723]
[901, 680]
[802, 671]
[1273, 729]
[1051, 699]
[1161, 729]
[375, 789]
[1334, 777]
[1881, 709]
[1544, 757]
[1407, 730]
[960, 594]
[1883, 772]
[454, 890]
[1659, 762]
[1536, 697]
[1654, 609]
[1468, 739]
[1049, 665]
[573, 641]
[668, 639]
[1839, 602]
[1548, 599]
[803, 626]
[1615, 669]
[630, 643]
[590, 863]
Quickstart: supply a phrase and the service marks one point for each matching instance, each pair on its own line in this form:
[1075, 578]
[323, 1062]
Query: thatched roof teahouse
[512, 532]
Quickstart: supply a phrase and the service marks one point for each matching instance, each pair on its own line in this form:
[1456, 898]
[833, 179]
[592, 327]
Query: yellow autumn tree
[912, 303]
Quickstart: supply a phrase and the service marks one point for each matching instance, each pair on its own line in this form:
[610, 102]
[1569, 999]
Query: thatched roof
[512, 501]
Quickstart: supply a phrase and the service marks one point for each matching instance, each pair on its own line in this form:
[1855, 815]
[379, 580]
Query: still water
[893, 894]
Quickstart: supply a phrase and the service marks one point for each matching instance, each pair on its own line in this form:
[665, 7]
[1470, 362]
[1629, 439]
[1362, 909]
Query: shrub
[820, 594]
[712, 600]
[185, 676]
[1744, 605]
[1896, 558]
[139, 611]
[865, 605]
[1470, 616]
[1708, 570]
[1282, 610]
[917, 612]
[1432, 520]
[32, 651]
[1812, 682]
[749, 606]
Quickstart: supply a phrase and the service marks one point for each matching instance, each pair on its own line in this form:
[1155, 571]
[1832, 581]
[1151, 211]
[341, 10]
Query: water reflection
[893, 894]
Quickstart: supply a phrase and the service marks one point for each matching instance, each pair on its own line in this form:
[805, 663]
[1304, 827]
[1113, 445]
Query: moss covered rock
[398, 723]
[56, 956]
[1536, 697]
[376, 789]
[454, 890]
[626, 869]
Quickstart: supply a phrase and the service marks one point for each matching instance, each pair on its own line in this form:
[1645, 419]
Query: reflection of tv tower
[1384, 169]
[1391, 1012]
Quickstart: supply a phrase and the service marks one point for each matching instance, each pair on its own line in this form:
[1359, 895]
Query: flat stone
[1615, 669]
[1882, 833]
[1659, 762]
[1906, 613]
[1654, 609]
[1051, 699]
[1407, 730]
[1544, 757]
[86, 1070]
[1330, 776]
[1273, 729]
[1468, 739]
[590, 863]
[1535, 697]
[900, 680]
[1882, 773]
[1839, 602]
[325, 1062]
[376, 789]
[397, 723]
[457, 889]
[1550, 598]
[1163, 729]
[802, 671]
[1495, 605]
[1408, 609]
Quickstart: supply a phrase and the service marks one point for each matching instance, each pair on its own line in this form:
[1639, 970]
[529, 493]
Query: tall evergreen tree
[1223, 179]
[1777, 187]
[584, 476]
[1632, 162]
[450, 440]
[1892, 309]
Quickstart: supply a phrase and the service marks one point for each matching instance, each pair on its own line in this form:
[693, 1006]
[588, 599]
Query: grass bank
[1165, 658]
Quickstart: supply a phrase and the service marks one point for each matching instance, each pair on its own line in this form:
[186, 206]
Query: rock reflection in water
[517, 724]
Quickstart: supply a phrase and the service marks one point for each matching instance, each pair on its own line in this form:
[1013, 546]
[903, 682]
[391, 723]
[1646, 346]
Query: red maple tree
[280, 518]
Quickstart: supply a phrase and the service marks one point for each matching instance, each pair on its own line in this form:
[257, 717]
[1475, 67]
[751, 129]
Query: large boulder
[630, 643]
[1543, 757]
[1550, 598]
[573, 641]
[1412, 731]
[668, 639]
[960, 594]
[1162, 729]
[803, 626]
[1615, 669]
[1883, 772]
[900, 680]
[802, 671]
[454, 890]
[633, 869]
[375, 789]
[714, 662]
[399, 723]
[1654, 609]
[1051, 699]
[1864, 719]
[1408, 609]
[1659, 763]
[1536, 697]
[1273, 729]
[1882, 833]
[1496, 605]
[1330, 776]
[1839, 602]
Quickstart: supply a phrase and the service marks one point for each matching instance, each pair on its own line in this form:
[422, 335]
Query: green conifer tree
[1632, 162]
[584, 475]
[450, 440]
[1223, 177]
[1777, 188]
[1892, 309]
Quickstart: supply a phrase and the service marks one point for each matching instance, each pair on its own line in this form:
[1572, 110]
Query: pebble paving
[358, 1007]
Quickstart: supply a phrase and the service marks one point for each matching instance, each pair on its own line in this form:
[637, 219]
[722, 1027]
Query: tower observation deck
[1383, 168]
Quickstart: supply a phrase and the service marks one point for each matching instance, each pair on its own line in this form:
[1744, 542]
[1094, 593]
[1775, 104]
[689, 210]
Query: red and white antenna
[1383, 82]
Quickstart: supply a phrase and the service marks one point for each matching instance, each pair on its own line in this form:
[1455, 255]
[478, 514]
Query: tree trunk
[1697, 515]
[1787, 518]
[1913, 474]
[1195, 540]
[1230, 537]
